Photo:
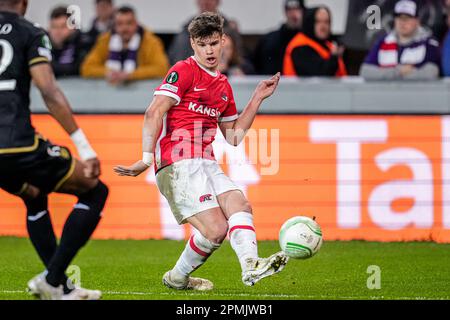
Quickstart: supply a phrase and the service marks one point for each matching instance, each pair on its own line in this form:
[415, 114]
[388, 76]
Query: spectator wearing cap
[408, 52]
[446, 46]
[103, 21]
[269, 53]
[68, 48]
[127, 53]
[311, 53]
[180, 48]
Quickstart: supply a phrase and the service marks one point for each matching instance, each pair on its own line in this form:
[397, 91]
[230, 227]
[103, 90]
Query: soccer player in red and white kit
[179, 128]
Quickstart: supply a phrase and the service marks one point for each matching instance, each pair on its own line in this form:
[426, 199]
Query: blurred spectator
[408, 52]
[432, 15]
[446, 46]
[269, 53]
[311, 52]
[127, 53]
[103, 21]
[232, 62]
[180, 48]
[68, 47]
[359, 37]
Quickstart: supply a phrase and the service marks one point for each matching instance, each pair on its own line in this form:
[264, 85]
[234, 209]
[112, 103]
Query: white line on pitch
[212, 295]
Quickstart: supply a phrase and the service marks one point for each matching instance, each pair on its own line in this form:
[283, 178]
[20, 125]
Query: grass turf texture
[133, 270]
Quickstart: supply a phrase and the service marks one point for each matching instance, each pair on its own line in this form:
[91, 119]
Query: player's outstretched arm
[59, 108]
[152, 128]
[235, 131]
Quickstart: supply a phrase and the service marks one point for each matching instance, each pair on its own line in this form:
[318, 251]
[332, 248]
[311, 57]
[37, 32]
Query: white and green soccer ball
[300, 237]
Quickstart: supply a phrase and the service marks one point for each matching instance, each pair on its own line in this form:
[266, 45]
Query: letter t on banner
[348, 135]
[446, 171]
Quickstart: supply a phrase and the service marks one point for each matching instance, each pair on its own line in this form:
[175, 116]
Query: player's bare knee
[84, 185]
[246, 207]
[34, 200]
[241, 204]
[30, 193]
[217, 233]
[78, 184]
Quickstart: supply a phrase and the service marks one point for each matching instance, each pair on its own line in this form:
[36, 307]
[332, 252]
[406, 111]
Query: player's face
[208, 50]
[406, 25]
[126, 26]
[24, 7]
[323, 24]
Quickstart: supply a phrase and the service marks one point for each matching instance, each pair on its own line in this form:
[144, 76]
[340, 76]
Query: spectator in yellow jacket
[127, 53]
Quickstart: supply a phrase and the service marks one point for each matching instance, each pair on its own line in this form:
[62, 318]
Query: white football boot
[186, 283]
[39, 287]
[82, 294]
[261, 268]
[76, 294]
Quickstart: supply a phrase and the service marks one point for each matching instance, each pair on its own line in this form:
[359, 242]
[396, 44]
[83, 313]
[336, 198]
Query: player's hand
[92, 168]
[266, 88]
[131, 171]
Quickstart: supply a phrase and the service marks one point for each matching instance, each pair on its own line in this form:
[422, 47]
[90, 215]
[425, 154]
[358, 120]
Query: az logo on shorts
[206, 197]
[58, 152]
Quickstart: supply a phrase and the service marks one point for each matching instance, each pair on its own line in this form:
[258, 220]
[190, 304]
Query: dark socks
[40, 231]
[78, 228]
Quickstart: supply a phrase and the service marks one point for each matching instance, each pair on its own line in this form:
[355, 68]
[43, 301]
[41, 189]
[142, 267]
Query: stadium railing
[310, 96]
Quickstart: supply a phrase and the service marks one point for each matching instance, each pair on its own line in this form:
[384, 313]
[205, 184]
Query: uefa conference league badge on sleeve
[170, 80]
[172, 77]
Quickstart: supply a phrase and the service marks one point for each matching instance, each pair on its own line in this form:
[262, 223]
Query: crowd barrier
[373, 177]
[350, 95]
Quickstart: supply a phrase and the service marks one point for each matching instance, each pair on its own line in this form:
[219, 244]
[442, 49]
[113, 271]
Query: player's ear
[24, 7]
[192, 42]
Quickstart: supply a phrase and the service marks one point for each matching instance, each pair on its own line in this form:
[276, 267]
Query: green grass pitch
[133, 270]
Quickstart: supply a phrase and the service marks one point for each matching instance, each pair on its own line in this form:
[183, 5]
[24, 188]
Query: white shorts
[191, 186]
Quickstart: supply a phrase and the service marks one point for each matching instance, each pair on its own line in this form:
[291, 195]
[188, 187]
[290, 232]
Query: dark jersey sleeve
[39, 48]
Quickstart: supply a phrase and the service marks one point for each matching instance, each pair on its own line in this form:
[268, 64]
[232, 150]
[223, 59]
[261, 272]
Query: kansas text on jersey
[204, 99]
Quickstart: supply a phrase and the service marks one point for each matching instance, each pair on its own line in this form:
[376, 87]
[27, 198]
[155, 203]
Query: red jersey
[204, 99]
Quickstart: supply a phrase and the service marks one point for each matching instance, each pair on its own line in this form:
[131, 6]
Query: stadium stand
[69, 47]
[269, 53]
[103, 21]
[409, 52]
[128, 53]
[312, 52]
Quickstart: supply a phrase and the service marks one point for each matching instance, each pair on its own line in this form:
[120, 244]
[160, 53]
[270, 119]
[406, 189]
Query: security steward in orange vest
[311, 53]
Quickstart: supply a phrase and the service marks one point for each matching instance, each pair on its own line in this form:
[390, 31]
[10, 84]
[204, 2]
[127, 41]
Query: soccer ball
[300, 237]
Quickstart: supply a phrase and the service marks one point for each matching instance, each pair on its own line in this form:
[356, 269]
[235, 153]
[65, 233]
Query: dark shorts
[47, 168]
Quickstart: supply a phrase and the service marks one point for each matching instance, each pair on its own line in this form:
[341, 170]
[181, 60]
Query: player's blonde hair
[205, 25]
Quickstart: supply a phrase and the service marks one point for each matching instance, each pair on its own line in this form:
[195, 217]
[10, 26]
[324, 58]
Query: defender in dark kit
[31, 167]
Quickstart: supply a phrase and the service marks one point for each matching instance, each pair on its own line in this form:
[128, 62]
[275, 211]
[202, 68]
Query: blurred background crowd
[413, 43]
